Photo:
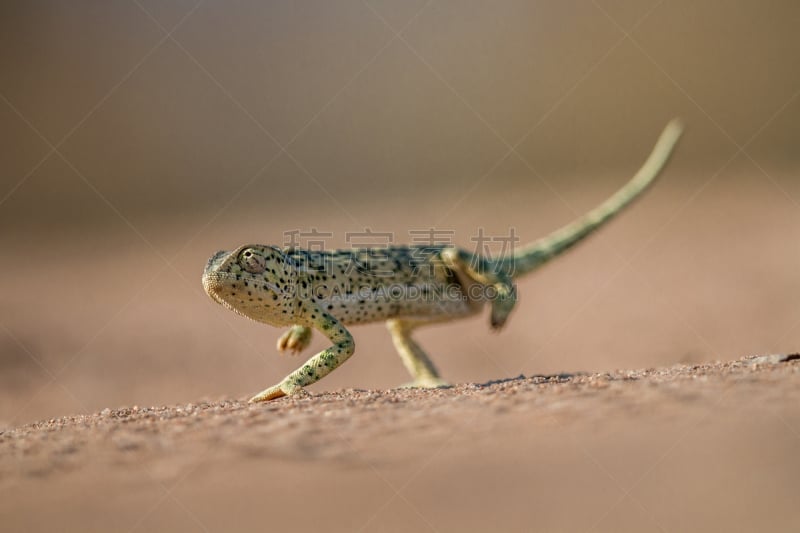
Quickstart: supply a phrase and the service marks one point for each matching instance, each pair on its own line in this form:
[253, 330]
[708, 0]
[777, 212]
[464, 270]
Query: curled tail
[530, 257]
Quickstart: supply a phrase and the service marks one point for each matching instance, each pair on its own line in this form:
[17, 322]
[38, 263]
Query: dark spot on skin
[330, 307]
[274, 296]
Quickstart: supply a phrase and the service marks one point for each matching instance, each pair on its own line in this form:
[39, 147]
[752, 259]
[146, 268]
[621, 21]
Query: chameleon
[405, 286]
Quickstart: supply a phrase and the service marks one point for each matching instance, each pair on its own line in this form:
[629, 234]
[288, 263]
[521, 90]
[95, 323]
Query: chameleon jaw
[218, 283]
[214, 284]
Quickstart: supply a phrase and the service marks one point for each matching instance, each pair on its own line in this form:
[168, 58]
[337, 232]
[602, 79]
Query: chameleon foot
[295, 339]
[266, 395]
[427, 383]
[279, 391]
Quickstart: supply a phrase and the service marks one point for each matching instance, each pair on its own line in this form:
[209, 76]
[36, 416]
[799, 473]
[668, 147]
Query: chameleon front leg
[481, 270]
[318, 366]
[414, 358]
[296, 339]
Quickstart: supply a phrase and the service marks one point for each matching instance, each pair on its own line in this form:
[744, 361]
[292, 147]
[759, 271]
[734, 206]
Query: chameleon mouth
[213, 279]
[213, 285]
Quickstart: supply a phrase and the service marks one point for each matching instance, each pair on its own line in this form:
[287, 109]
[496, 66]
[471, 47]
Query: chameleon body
[405, 286]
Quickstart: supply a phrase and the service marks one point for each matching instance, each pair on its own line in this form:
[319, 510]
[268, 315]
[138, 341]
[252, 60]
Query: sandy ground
[255, 119]
[108, 322]
[709, 447]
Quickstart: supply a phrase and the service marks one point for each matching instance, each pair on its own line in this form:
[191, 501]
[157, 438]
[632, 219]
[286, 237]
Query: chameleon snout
[213, 284]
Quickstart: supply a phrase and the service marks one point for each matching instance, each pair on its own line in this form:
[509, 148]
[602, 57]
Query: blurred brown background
[250, 120]
[139, 137]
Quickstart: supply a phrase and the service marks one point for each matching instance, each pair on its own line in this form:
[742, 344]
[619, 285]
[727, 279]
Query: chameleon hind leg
[318, 366]
[414, 358]
[498, 286]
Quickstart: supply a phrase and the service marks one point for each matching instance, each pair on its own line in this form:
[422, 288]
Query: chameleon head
[254, 280]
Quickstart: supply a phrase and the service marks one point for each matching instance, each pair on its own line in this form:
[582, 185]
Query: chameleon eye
[252, 261]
